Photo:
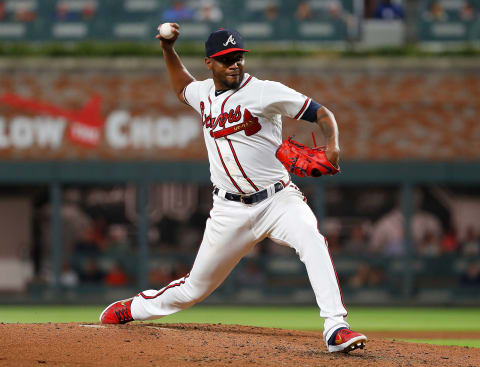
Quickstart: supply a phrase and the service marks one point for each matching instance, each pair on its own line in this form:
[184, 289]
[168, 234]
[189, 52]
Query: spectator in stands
[388, 231]
[366, 275]
[429, 245]
[98, 232]
[271, 11]
[90, 272]
[26, 15]
[116, 277]
[471, 276]
[304, 11]
[3, 13]
[468, 12]
[369, 7]
[335, 10]
[387, 235]
[251, 276]
[471, 244]
[334, 243]
[178, 12]
[66, 13]
[86, 245]
[357, 243]
[68, 278]
[388, 10]
[209, 12]
[159, 276]
[179, 271]
[88, 11]
[117, 240]
[450, 241]
[187, 238]
[63, 12]
[436, 12]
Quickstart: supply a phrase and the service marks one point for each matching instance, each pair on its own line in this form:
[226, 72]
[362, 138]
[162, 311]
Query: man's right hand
[178, 73]
[166, 43]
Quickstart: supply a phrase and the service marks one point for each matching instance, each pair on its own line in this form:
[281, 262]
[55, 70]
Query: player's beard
[230, 83]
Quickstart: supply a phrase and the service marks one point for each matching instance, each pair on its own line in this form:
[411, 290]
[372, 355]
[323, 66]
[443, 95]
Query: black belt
[252, 198]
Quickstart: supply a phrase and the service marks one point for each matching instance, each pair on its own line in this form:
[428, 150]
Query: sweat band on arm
[310, 113]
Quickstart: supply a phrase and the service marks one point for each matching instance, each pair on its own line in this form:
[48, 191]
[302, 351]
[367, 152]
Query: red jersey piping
[299, 114]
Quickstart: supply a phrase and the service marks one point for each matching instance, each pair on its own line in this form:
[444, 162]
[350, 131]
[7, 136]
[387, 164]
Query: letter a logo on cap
[222, 42]
[230, 40]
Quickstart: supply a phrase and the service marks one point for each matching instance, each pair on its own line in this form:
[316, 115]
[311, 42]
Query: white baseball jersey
[243, 128]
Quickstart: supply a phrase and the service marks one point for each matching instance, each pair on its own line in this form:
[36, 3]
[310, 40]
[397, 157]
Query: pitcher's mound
[178, 345]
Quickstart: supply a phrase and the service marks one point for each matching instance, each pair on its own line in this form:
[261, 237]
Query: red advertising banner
[74, 116]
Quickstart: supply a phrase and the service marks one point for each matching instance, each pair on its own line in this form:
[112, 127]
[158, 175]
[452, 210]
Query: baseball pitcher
[253, 196]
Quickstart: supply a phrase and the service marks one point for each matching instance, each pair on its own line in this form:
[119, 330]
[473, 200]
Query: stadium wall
[122, 109]
[404, 122]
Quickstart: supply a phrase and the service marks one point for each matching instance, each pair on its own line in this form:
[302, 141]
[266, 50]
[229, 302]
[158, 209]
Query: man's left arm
[329, 128]
[276, 98]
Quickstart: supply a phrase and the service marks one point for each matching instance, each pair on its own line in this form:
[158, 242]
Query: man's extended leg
[291, 222]
[227, 238]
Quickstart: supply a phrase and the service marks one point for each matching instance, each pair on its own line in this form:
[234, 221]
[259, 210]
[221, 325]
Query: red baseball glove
[304, 161]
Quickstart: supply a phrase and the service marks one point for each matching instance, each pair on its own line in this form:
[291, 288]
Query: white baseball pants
[231, 232]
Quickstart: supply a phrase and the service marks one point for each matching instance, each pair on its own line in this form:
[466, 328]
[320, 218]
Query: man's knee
[307, 240]
[196, 292]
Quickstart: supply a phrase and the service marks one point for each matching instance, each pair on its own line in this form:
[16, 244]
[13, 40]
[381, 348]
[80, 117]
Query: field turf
[475, 343]
[300, 318]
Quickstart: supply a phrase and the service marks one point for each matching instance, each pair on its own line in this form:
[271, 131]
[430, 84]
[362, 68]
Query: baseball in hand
[166, 31]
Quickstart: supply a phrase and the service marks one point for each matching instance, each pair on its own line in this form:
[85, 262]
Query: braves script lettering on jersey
[243, 129]
[253, 197]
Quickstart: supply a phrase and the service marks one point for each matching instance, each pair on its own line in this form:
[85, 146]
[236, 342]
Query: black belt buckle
[279, 187]
[247, 199]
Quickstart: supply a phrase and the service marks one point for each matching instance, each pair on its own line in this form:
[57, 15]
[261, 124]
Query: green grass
[473, 343]
[411, 319]
[300, 318]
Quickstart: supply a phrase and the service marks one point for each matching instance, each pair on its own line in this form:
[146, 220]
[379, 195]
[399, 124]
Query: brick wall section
[402, 115]
[423, 109]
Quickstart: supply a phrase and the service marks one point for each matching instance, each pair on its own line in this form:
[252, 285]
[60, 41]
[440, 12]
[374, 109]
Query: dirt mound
[144, 344]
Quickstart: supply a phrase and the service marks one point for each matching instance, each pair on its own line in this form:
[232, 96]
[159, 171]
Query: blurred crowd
[270, 10]
[64, 10]
[443, 11]
[100, 236]
[309, 20]
[386, 238]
